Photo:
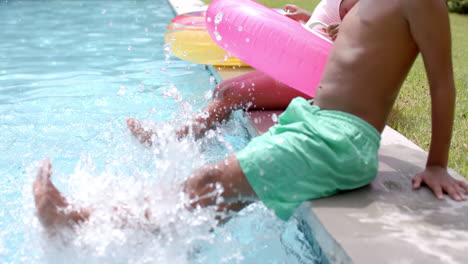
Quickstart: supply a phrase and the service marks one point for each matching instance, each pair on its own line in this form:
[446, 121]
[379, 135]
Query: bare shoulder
[413, 8]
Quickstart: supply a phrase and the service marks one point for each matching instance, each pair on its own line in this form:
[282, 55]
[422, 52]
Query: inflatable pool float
[270, 42]
[190, 41]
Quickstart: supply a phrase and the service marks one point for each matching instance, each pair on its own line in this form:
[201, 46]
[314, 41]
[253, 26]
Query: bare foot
[142, 134]
[53, 210]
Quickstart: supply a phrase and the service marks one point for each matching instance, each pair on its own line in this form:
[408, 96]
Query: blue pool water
[71, 72]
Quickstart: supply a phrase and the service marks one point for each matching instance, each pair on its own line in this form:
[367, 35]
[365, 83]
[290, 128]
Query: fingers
[453, 189]
[463, 185]
[332, 26]
[290, 8]
[332, 31]
[440, 184]
[417, 180]
[296, 13]
[454, 192]
[439, 193]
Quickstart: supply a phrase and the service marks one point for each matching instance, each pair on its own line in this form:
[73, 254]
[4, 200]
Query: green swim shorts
[309, 154]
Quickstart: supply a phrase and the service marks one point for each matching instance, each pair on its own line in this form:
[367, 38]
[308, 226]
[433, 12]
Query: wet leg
[222, 184]
[254, 90]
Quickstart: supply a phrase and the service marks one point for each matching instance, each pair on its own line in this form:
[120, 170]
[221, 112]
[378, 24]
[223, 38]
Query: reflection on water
[71, 72]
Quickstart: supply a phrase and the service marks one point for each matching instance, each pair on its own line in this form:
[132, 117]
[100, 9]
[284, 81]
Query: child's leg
[222, 184]
[55, 213]
[253, 90]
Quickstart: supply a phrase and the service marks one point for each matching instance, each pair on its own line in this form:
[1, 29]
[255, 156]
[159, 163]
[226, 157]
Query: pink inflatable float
[269, 42]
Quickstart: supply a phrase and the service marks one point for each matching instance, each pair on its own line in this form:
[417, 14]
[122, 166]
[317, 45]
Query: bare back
[369, 62]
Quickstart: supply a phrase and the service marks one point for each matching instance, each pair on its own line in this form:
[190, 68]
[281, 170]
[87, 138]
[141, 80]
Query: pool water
[71, 72]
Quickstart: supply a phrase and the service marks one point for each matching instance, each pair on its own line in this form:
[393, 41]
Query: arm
[302, 16]
[433, 39]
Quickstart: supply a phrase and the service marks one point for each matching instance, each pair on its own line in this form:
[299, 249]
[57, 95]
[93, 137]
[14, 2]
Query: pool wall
[384, 222]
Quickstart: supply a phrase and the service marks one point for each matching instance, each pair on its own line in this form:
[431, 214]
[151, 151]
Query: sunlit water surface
[71, 72]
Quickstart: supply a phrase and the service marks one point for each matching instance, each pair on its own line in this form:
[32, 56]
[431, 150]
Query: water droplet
[130, 48]
[208, 19]
[218, 18]
[274, 117]
[208, 94]
[240, 28]
[210, 134]
[103, 11]
[247, 40]
[122, 90]
[218, 36]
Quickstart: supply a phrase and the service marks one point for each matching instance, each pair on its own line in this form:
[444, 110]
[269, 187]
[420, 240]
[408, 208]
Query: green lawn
[411, 115]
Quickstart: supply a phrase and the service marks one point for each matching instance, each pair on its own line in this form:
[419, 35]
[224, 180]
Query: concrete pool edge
[385, 222]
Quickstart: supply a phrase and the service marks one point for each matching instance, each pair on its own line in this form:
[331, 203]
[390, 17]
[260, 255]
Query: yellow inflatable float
[190, 41]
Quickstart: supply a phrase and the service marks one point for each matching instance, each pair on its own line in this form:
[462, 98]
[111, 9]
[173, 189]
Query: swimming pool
[70, 73]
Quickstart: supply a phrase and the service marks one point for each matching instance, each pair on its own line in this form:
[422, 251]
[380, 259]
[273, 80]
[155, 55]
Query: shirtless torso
[376, 47]
[365, 72]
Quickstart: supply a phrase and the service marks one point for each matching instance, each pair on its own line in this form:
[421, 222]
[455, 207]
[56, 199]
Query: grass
[411, 114]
